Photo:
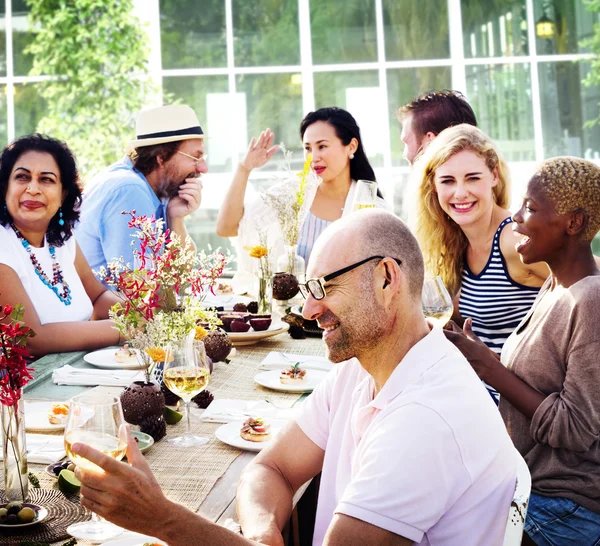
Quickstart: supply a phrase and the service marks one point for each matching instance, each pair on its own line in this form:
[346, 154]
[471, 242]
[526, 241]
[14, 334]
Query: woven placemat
[62, 512]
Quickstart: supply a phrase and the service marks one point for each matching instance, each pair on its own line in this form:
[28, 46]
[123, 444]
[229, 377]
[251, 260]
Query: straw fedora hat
[166, 124]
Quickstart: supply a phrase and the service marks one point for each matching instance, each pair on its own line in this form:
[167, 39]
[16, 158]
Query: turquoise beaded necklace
[57, 274]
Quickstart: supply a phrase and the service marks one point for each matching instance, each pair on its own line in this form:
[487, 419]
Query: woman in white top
[41, 265]
[333, 138]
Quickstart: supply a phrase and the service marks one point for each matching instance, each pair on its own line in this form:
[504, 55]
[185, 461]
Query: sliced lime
[68, 482]
[171, 416]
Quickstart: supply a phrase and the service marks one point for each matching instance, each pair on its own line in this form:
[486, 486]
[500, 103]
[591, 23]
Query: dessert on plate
[292, 375]
[58, 413]
[255, 430]
[125, 355]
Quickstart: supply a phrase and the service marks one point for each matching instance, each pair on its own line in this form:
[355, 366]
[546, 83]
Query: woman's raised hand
[260, 150]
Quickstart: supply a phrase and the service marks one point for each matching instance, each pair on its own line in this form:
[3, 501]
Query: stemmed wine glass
[437, 303]
[95, 419]
[365, 195]
[186, 374]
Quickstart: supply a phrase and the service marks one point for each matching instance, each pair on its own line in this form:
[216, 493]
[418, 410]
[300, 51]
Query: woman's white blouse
[47, 305]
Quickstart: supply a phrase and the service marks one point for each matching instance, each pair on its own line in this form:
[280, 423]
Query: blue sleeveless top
[309, 233]
[494, 301]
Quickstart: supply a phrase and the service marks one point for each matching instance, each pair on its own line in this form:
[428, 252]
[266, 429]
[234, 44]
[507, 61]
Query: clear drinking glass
[97, 420]
[186, 374]
[437, 303]
[365, 195]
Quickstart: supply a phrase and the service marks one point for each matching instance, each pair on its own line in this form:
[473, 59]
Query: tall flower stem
[14, 453]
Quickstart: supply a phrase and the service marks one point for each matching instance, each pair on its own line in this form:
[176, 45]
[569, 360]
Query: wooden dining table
[204, 478]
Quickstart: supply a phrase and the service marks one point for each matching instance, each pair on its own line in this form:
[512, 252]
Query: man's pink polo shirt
[428, 458]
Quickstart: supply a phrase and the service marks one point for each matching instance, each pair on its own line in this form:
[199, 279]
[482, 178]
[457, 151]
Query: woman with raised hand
[463, 226]
[548, 376]
[41, 265]
[332, 136]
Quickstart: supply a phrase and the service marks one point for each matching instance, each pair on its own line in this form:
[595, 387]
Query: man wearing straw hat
[160, 177]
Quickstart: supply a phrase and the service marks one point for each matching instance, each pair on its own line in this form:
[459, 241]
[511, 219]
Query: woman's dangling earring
[61, 222]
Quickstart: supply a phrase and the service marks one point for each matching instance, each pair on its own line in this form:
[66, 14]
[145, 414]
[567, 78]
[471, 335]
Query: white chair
[518, 506]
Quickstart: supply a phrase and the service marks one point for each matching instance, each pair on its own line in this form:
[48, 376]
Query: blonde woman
[461, 224]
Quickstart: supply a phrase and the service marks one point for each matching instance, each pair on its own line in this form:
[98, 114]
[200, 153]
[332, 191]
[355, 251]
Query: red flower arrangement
[14, 373]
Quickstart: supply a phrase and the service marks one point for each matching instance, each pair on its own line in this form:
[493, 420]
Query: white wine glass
[437, 303]
[365, 195]
[97, 420]
[186, 374]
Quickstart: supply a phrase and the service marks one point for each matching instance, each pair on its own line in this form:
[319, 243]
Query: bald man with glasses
[410, 446]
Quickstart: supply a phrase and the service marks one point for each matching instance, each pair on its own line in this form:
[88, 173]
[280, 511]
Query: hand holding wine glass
[186, 374]
[437, 303]
[97, 420]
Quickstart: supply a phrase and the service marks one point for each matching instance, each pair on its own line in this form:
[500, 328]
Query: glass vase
[264, 294]
[14, 452]
[291, 262]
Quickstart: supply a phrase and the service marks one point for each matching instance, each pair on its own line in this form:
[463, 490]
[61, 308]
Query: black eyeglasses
[316, 287]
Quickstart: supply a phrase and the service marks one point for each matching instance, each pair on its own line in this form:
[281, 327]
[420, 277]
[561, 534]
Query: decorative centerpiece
[14, 375]
[289, 203]
[265, 277]
[162, 304]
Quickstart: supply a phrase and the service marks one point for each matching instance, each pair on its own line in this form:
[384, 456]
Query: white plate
[250, 337]
[134, 539]
[230, 434]
[105, 358]
[36, 416]
[40, 515]
[226, 301]
[270, 379]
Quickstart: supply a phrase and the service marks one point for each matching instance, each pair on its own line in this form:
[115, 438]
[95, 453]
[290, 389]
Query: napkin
[225, 411]
[277, 361]
[68, 375]
[43, 448]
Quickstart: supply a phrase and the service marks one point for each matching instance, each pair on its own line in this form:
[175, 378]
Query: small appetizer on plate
[255, 430]
[292, 375]
[125, 354]
[58, 413]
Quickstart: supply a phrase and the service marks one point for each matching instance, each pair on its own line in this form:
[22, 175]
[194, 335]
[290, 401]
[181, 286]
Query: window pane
[360, 94]
[201, 225]
[500, 95]
[494, 29]
[405, 84]
[29, 108]
[3, 120]
[343, 32]
[274, 101]
[2, 38]
[416, 29]
[192, 33]
[210, 99]
[266, 33]
[561, 25]
[21, 38]
[567, 105]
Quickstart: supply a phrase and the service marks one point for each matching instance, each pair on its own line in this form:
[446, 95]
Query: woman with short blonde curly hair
[462, 186]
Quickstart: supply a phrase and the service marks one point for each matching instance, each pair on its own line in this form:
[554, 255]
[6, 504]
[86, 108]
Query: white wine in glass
[186, 374]
[96, 420]
[437, 303]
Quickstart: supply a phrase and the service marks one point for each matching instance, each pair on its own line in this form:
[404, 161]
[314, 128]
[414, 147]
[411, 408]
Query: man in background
[160, 177]
[428, 115]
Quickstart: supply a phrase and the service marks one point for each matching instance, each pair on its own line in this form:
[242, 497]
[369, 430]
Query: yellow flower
[258, 251]
[200, 333]
[157, 354]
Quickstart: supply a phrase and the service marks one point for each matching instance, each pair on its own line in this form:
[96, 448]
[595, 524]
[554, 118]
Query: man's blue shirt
[103, 233]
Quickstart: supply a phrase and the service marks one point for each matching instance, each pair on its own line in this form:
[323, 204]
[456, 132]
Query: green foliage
[593, 77]
[96, 52]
